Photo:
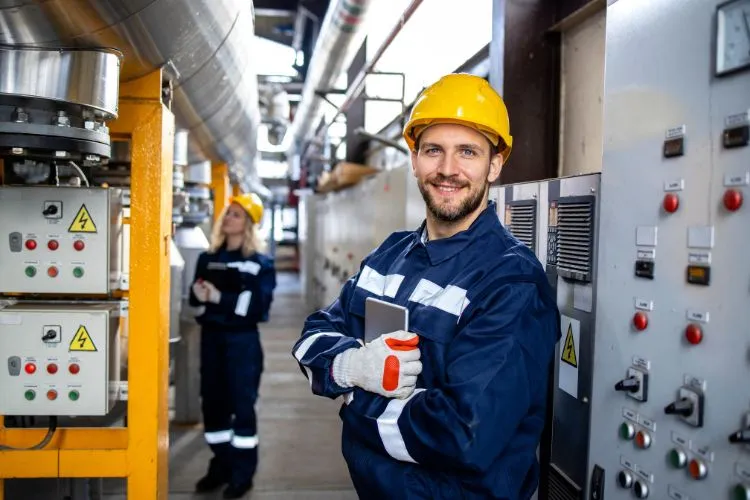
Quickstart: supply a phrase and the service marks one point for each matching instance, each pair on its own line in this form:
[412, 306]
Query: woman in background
[235, 283]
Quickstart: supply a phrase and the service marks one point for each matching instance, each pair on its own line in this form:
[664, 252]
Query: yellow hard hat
[252, 204]
[464, 99]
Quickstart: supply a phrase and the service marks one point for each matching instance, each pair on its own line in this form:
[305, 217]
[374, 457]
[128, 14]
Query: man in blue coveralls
[455, 407]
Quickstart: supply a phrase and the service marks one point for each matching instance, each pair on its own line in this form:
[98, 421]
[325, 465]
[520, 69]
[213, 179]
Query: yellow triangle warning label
[82, 341]
[83, 223]
[569, 351]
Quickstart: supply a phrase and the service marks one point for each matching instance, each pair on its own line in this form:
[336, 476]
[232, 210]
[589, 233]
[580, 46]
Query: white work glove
[214, 295]
[200, 291]
[387, 366]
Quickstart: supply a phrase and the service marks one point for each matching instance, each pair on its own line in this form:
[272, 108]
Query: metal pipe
[340, 36]
[361, 131]
[355, 89]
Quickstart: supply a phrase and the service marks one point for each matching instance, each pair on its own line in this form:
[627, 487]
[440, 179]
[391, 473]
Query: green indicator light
[78, 272]
[677, 458]
[30, 271]
[741, 492]
[625, 431]
[30, 395]
[73, 395]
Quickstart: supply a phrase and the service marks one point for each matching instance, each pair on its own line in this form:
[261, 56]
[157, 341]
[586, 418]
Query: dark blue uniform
[232, 357]
[488, 323]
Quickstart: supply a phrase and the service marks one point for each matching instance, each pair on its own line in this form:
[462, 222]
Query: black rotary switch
[683, 407]
[630, 384]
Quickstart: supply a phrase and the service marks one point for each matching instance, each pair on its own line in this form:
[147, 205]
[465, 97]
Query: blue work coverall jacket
[488, 323]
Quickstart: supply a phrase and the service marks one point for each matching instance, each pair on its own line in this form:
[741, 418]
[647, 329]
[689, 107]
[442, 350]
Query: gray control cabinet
[59, 359]
[572, 229]
[673, 294]
[61, 240]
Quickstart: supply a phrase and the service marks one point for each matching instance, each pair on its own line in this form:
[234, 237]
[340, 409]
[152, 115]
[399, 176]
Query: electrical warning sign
[82, 341]
[570, 357]
[569, 350]
[83, 223]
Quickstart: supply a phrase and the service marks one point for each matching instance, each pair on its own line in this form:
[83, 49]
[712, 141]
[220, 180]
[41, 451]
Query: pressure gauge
[732, 36]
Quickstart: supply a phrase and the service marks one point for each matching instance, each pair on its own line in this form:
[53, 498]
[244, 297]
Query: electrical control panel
[62, 240]
[59, 359]
[670, 402]
[518, 210]
[571, 216]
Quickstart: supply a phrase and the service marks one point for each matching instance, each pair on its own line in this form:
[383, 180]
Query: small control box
[59, 359]
[62, 240]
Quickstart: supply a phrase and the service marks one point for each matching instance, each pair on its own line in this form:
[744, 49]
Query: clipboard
[383, 317]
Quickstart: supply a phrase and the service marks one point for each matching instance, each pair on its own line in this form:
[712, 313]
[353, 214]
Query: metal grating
[561, 488]
[523, 222]
[575, 238]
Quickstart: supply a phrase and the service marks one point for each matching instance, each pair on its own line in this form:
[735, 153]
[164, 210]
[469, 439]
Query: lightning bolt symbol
[83, 220]
[82, 340]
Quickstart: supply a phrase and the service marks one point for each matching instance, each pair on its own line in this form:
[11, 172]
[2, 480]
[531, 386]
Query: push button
[52, 394]
[30, 368]
[643, 440]
[30, 394]
[625, 479]
[627, 431]
[677, 458]
[30, 244]
[698, 469]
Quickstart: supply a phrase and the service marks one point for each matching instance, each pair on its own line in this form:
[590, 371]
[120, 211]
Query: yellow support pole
[236, 190]
[220, 186]
[144, 118]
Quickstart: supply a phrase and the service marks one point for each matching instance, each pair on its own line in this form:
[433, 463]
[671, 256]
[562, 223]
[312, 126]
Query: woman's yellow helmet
[251, 203]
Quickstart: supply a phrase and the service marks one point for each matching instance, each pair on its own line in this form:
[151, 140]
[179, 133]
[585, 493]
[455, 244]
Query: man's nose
[449, 166]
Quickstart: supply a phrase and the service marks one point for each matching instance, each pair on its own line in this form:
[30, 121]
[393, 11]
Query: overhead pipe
[203, 46]
[356, 87]
[340, 37]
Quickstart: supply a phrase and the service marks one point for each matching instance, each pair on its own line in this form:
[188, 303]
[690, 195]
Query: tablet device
[223, 277]
[383, 317]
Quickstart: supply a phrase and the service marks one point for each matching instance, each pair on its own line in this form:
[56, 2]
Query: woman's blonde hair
[251, 243]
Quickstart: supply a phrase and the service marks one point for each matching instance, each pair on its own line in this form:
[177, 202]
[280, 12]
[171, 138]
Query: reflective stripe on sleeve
[309, 341]
[389, 432]
[243, 303]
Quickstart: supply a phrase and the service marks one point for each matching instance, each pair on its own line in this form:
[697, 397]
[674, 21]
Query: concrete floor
[300, 450]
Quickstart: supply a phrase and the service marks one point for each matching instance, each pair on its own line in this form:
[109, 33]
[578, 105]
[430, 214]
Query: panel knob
[630, 384]
[741, 436]
[683, 407]
[625, 479]
[640, 488]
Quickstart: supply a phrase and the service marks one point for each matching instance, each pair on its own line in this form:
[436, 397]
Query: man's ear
[414, 163]
[496, 166]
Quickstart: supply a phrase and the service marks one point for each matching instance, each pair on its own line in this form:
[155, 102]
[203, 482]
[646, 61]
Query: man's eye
[468, 152]
[430, 151]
